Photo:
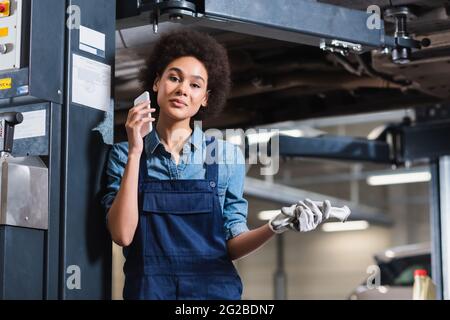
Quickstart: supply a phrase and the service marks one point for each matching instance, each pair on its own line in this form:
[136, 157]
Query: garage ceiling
[277, 81]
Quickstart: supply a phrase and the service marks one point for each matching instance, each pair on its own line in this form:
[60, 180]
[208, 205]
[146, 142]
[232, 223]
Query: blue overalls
[179, 249]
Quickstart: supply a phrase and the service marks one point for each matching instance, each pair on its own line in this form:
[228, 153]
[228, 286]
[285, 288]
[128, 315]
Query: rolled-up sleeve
[115, 168]
[235, 206]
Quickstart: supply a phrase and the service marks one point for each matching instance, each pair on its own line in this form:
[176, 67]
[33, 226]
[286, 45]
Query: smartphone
[142, 98]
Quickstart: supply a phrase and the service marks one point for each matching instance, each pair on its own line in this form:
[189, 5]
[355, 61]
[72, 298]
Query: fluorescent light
[389, 254]
[293, 133]
[260, 137]
[346, 226]
[397, 178]
[264, 137]
[237, 139]
[268, 214]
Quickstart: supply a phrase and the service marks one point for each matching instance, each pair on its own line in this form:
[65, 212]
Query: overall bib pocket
[177, 224]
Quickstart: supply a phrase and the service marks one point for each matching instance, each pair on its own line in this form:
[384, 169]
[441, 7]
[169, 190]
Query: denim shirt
[191, 166]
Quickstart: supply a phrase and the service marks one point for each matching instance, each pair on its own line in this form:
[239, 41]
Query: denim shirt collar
[152, 141]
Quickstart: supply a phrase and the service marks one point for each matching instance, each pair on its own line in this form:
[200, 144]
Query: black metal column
[39, 263]
[441, 237]
[435, 224]
[85, 242]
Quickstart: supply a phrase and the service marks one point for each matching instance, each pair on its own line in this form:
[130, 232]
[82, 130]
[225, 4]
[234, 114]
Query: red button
[2, 8]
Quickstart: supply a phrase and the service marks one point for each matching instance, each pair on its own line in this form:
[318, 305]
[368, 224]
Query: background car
[396, 273]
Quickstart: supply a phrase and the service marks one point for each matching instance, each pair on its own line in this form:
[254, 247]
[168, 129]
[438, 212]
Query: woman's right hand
[136, 123]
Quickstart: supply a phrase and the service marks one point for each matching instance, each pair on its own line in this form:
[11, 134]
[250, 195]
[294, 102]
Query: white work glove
[303, 217]
[309, 215]
[284, 220]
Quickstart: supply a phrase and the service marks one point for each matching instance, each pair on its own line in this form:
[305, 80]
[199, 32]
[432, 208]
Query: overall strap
[143, 171]
[212, 158]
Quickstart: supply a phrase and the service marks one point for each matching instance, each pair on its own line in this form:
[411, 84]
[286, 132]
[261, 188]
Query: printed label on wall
[33, 125]
[91, 83]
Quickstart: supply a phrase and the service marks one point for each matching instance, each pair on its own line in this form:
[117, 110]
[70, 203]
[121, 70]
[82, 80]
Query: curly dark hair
[181, 43]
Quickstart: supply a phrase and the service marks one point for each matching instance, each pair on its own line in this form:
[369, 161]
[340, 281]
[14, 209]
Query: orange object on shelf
[4, 8]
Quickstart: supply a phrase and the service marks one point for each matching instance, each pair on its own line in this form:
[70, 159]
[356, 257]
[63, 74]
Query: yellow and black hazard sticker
[5, 83]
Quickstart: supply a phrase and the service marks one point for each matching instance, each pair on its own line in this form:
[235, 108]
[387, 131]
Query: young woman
[182, 217]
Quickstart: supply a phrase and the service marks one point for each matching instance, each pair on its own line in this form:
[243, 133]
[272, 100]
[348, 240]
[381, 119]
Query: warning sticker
[5, 83]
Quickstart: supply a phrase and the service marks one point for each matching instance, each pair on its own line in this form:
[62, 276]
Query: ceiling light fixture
[399, 178]
[347, 226]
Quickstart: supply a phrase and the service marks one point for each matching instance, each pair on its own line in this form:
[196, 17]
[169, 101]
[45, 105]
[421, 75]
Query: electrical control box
[10, 34]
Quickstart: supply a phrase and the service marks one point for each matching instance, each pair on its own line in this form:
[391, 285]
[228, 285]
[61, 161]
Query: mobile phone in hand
[142, 98]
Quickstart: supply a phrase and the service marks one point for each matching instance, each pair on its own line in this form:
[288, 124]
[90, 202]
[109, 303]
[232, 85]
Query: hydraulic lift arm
[398, 144]
[329, 27]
